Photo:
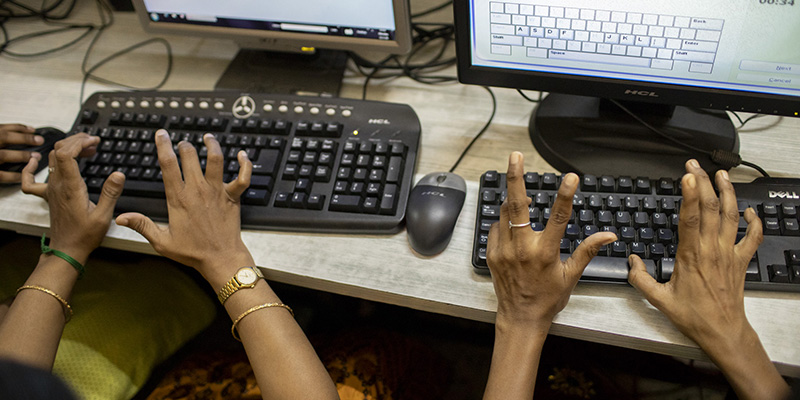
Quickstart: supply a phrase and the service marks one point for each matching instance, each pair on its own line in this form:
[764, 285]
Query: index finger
[517, 200]
[65, 151]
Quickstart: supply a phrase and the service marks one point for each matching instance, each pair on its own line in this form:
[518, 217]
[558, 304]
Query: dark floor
[569, 369]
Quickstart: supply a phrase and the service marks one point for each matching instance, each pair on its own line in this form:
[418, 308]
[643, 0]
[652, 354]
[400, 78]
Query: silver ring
[50, 169]
[510, 225]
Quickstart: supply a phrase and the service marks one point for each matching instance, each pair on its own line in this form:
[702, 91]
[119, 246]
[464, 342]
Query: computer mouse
[432, 211]
[50, 135]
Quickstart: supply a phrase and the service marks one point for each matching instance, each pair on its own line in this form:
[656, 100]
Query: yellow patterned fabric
[131, 313]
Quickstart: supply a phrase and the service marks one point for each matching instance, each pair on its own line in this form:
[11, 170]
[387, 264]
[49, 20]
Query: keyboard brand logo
[641, 93]
[244, 107]
[379, 121]
[783, 195]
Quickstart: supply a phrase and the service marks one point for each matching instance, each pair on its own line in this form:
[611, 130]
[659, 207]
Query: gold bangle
[64, 304]
[256, 308]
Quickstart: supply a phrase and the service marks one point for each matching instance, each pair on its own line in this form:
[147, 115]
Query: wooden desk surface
[45, 91]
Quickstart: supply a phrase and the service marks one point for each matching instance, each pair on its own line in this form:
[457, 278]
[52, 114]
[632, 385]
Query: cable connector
[726, 159]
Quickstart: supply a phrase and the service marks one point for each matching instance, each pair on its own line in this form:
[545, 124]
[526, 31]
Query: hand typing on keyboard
[531, 281]
[704, 297]
[77, 226]
[204, 229]
[204, 232]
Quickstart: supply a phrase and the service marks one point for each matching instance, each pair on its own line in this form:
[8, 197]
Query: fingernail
[36, 155]
[122, 221]
[115, 178]
[514, 159]
[571, 180]
[30, 128]
[724, 174]
[38, 139]
[691, 181]
[161, 133]
[694, 163]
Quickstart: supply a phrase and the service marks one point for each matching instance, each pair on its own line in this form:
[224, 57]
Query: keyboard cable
[724, 158]
[480, 133]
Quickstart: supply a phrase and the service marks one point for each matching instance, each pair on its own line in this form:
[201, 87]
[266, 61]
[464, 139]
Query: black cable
[724, 158]
[47, 15]
[480, 133]
[107, 20]
[743, 122]
[89, 73]
[756, 167]
[528, 98]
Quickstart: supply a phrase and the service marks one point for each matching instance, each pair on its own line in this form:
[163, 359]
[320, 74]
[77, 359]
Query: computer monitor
[676, 64]
[304, 39]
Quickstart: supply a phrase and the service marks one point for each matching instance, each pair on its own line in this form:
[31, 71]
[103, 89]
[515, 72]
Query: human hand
[204, 229]
[531, 281]
[77, 225]
[11, 134]
[705, 296]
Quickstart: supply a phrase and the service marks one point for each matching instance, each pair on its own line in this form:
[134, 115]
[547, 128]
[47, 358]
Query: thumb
[112, 189]
[141, 224]
[588, 250]
[639, 278]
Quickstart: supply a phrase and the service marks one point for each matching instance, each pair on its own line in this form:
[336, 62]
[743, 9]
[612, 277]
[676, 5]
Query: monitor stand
[588, 135]
[261, 71]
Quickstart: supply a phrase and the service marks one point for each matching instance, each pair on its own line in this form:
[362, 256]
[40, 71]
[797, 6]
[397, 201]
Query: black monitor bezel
[656, 93]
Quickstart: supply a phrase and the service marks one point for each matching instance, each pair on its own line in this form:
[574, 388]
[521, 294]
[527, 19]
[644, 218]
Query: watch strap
[233, 285]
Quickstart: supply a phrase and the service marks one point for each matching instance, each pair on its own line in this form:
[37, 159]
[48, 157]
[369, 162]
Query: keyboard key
[267, 162]
[256, 196]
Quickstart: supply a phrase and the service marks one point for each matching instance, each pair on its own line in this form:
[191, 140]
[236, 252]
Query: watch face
[246, 276]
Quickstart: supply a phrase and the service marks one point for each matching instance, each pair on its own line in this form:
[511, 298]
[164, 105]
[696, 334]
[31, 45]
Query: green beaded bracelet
[78, 266]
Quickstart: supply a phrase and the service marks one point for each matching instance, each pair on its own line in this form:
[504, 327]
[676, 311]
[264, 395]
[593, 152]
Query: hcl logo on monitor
[641, 93]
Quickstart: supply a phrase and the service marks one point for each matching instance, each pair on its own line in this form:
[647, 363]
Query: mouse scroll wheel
[441, 178]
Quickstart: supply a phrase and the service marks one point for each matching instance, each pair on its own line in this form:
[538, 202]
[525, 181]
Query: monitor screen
[740, 55]
[306, 31]
[351, 24]
[742, 47]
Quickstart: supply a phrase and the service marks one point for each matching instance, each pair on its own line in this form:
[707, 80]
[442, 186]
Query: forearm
[32, 326]
[515, 360]
[284, 362]
[747, 366]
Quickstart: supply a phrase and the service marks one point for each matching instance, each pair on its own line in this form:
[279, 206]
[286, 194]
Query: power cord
[13, 10]
[60, 10]
[525, 96]
[107, 19]
[745, 121]
[480, 133]
[724, 158]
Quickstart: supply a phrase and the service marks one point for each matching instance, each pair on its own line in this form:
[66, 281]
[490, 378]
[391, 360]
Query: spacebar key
[144, 189]
[610, 269]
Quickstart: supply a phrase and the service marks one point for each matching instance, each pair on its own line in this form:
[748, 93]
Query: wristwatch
[245, 278]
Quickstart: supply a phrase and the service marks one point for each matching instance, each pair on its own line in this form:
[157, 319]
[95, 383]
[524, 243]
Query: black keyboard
[319, 164]
[644, 215]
